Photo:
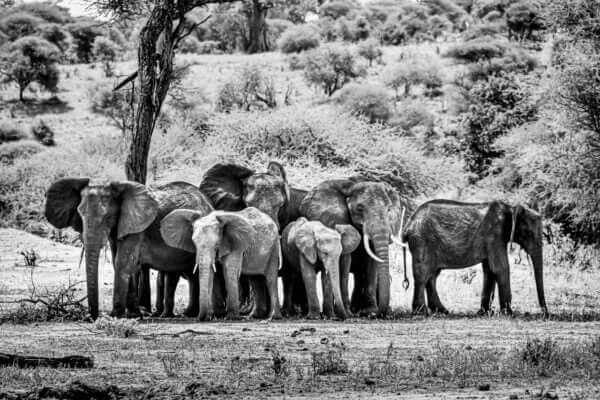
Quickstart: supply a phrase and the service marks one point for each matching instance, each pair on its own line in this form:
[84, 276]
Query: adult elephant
[444, 234]
[374, 209]
[232, 187]
[127, 215]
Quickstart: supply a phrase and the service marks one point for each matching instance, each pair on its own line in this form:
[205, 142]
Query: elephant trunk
[333, 274]
[206, 276]
[381, 244]
[93, 244]
[537, 258]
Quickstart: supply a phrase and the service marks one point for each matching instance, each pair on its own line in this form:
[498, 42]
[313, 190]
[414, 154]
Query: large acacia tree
[165, 27]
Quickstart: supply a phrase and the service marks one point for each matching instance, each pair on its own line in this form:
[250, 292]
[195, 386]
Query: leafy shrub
[474, 50]
[335, 9]
[84, 33]
[523, 18]
[209, 47]
[275, 28]
[250, 88]
[516, 60]
[9, 152]
[413, 114]
[299, 38]
[47, 11]
[329, 362]
[330, 67]
[116, 36]
[105, 51]
[116, 105]
[31, 59]
[412, 73]
[361, 28]
[18, 25]
[189, 45]
[368, 100]
[11, 132]
[446, 8]
[487, 30]
[484, 7]
[496, 106]
[55, 34]
[393, 34]
[42, 133]
[371, 50]
[493, 16]
[439, 25]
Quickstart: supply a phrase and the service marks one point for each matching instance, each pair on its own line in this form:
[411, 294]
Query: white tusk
[280, 256]
[214, 267]
[195, 268]
[396, 239]
[368, 248]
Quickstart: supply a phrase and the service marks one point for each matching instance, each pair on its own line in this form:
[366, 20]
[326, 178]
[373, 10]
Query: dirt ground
[182, 358]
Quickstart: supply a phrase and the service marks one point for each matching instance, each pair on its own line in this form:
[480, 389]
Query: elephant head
[232, 187]
[316, 242]
[99, 212]
[373, 208]
[526, 230]
[211, 237]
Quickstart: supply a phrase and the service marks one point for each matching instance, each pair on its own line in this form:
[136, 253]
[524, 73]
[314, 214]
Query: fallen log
[10, 360]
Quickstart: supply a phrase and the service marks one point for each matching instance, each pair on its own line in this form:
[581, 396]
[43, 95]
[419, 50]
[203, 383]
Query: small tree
[31, 59]
[367, 100]
[55, 34]
[523, 19]
[105, 51]
[84, 33]
[405, 75]
[299, 38]
[371, 50]
[19, 24]
[330, 67]
[118, 106]
[250, 89]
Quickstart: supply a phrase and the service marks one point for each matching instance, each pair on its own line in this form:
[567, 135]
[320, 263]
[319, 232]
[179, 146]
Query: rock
[324, 340]
[513, 397]
[295, 333]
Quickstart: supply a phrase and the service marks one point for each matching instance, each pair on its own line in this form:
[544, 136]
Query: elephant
[232, 187]
[127, 215]
[309, 247]
[445, 234]
[244, 242]
[374, 209]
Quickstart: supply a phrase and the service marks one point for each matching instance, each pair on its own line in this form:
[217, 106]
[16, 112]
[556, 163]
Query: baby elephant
[243, 242]
[309, 247]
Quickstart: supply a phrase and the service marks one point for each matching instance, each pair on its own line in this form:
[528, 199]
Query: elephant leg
[501, 269]
[193, 307]
[420, 276]
[299, 299]
[345, 263]
[271, 286]
[232, 270]
[160, 294]
[144, 292]
[261, 299]
[288, 289]
[246, 295]
[356, 302]
[370, 297]
[121, 288]
[219, 293]
[489, 286]
[133, 307]
[433, 300]
[171, 281]
[327, 296]
[309, 276]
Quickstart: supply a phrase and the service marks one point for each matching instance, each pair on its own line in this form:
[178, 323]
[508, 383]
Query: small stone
[324, 340]
[245, 329]
[369, 381]
[347, 331]
[295, 333]
[420, 358]
[484, 387]
[513, 397]
[468, 347]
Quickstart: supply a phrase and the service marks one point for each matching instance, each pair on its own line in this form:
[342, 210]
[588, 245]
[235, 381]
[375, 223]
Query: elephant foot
[145, 311]
[507, 311]
[233, 316]
[191, 312]
[167, 314]
[370, 312]
[485, 313]
[439, 310]
[420, 310]
[246, 308]
[117, 313]
[276, 315]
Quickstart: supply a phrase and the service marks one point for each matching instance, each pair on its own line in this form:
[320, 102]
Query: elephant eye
[360, 208]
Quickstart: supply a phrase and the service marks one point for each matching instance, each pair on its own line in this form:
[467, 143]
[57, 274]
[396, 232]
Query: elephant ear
[350, 237]
[177, 229]
[62, 199]
[224, 186]
[138, 210]
[326, 202]
[305, 242]
[238, 233]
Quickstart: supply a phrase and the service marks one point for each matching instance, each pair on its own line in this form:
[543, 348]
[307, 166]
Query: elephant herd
[236, 233]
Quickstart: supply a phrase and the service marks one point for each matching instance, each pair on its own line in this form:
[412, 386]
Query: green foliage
[408, 74]
[576, 18]
[116, 105]
[368, 100]
[371, 50]
[84, 34]
[18, 25]
[523, 18]
[412, 114]
[474, 50]
[496, 106]
[335, 9]
[47, 11]
[189, 45]
[249, 89]
[276, 28]
[515, 60]
[299, 38]
[105, 49]
[31, 59]
[11, 132]
[484, 29]
[55, 34]
[446, 8]
[330, 67]
[10, 152]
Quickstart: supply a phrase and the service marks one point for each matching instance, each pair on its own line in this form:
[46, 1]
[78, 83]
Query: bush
[249, 89]
[11, 132]
[299, 38]
[105, 51]
[393, 34]
[367, 100]
[447, 9]
[275, 28]
[335, 9]
[209, 47]
[414, 73]
[10, 152]
[31, 59]
[116, 105]
[523, 18]
[330, 67]
[189, 45]
[121, 328]
[483, 48]
[515, 61]
[84, 34]
[371, 50]
[42, 133]
[496, 106]
[18, 25]
[47, 11]
[55, 34]
[487, 30]
[414, 114]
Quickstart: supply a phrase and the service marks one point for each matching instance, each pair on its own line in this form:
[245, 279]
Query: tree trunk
[154, 72]
[257, 27]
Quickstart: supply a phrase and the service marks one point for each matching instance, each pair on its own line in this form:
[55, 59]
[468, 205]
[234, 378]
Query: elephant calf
[309, 247]
[445, 234]
[244, 242]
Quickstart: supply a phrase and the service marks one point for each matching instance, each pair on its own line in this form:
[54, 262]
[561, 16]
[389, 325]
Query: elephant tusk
[368, 248]
[398, 241]
[195, 268]
[280, 256]
[214, 267]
